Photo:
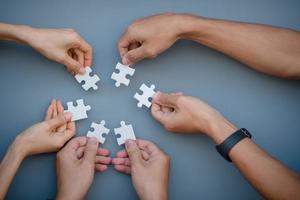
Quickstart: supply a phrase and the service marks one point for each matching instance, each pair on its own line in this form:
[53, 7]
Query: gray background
[267, 106]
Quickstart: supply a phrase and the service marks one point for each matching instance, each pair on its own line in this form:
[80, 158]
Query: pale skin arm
[271, 50]
[64, 46]
[184, 114]
[9, 166]
[44, 137]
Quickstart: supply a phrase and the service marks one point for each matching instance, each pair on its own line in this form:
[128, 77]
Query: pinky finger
[123, 169]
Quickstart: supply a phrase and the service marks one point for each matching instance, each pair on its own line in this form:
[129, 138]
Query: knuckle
[180, 100]
[151, 53]
[131, 27]
[169, 127]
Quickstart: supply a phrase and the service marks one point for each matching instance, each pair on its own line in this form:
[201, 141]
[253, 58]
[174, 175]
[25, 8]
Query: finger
[177, 93]
[166, 99]
[79, 152]
[123, 44]
[71, 128]
[53, 107]
[145, 155]
[100, 167]
[123, 169]
[73, 65]
[60, 110]
[157, 112]
[103, 160]
[148, 146]
[135, 55]
[49, 111]
[122, 154]
[133, 151]
[102, 152]
[90, 150]
[59, 120]
[120, 161]
[75, 144]
[80, 56]
[166, 109]
[88, 52]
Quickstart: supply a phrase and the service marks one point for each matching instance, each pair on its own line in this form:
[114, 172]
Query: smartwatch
[225, 147]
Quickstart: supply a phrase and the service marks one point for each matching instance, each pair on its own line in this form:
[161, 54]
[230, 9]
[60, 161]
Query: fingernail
[129, 143]
[125, 60]
[93, 141]
[68, 116]
[81, 70]
[156, 95]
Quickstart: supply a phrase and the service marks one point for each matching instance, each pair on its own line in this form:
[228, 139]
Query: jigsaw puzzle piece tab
[79, 111]
[89, 81]
[143, 99]
[98, 131]
[125, 131]
[121, 77]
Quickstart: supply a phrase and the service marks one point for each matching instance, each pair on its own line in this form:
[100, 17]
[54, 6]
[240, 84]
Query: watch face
[246, 132]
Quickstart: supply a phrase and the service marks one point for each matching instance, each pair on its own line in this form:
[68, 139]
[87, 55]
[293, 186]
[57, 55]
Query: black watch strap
[225, 147]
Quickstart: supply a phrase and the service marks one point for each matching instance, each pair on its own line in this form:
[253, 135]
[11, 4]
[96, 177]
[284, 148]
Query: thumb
[133, 152]
[165, 99]
[73, 65]
[134, 55]
[59, 120]
[91, 150]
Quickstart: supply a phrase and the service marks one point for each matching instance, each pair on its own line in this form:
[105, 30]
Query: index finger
[88, 52]
[124, 43]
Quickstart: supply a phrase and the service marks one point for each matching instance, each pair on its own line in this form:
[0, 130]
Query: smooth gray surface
[267, 106]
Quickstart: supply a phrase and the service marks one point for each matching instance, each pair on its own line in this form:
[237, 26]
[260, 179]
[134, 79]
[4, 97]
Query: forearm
[16, 33]
[268, 176]
[274, 51]
[9, 166]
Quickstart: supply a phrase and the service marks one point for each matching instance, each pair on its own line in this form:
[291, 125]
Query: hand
[49, 135]
[148, 166]
[62, 45]
[76, 164]
[147, 37]
[185, 114]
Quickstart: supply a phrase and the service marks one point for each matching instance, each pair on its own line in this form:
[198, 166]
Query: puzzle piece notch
[125, 131]
[98, 131]
[78, 112]
[143, 99]
[89, 81]
[121, 77]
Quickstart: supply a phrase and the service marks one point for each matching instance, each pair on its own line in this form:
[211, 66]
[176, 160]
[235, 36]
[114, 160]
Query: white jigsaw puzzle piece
[126, 132]
[99, 131]
[89, 81]
[143, 99]
[78, 112]
[120, 77]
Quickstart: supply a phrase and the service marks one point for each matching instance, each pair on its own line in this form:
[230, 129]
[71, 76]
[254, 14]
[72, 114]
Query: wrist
[193, 27]
[19, 147]
[219, 129]
[159, 194]
[26, 34]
